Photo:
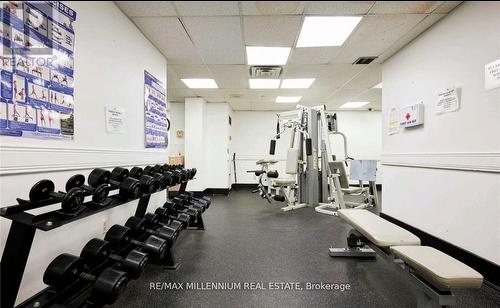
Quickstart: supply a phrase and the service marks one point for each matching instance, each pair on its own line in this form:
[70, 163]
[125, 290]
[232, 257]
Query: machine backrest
[338, 166]
[292, 161]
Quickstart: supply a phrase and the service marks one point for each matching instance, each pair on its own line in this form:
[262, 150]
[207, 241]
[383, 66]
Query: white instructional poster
[492, 75]
[115, 119]
[393, 122]
[448, 101]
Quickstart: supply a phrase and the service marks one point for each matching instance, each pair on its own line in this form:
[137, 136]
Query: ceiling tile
[410, 36]
[272, 7]
[305, 71]
[190, 71]
[175, 94]
[173, 80]
[230, 76]
[146, 8]
[370, 76]
[269, 106]
[241, 105]
[375, 34]
[404, 7]
[338, 8]
[446, 7]
[207, 8]
[336, 75]
[271, 31]
[313, 55]
[340, 96]
[218, 39]
[374, 96]
[168, 35]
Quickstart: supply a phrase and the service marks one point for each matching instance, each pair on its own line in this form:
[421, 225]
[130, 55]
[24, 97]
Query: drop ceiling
[207, 40]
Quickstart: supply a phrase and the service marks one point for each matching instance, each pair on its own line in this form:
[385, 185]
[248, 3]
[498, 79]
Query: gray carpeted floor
[248, 240]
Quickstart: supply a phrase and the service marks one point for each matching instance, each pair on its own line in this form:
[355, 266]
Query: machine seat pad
[378, 230]
[283, 182]
[266, 161]
[438, 268]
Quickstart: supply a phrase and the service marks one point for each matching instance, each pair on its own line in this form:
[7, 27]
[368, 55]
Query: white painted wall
[177, 117]
[454, 202]
[253, 130]
[194, 140]
[217, 145]
[111, 56]
[207, 143]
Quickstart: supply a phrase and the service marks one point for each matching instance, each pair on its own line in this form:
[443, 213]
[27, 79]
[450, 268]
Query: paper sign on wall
[411, 115]
[393, 121]
[448, 101]
[492, 75]
[115, 119]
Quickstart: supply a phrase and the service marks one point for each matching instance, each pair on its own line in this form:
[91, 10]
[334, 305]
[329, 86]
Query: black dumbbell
[189, 198]
[128, 187]
[142, 225]
[133, 263]
[99, 194]
[71, 201]
[185, 202]
[154, 219]
[203, 199]
[147, 183]
[175, 209]
[67, 268]
[193, 173]
[154, 246]
[164, 180]
[182, 218]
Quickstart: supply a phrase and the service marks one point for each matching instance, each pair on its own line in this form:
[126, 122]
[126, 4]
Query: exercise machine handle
[272, 148]
[308, 146]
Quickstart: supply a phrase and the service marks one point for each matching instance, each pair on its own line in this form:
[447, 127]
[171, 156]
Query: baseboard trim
[489, 270]
[244, 186]
[254, 186]
[216, 191]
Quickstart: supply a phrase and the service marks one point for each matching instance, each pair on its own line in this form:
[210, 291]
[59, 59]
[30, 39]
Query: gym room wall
[207, 143]
[254, 129]
[108, 48]
[444, 177]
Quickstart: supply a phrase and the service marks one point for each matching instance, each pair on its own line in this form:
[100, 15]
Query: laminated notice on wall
[115, 119]
[393, 122]
[492, 75]
[37, 69]
[448, 101]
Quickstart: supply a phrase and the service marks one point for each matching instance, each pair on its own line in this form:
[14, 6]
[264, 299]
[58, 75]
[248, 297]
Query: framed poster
[156, 119]
[37, 55]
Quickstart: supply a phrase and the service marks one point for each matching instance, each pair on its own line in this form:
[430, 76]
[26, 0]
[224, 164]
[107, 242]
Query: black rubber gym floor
[247, 240]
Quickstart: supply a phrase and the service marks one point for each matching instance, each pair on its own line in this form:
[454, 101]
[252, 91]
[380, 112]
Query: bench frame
[428, 295]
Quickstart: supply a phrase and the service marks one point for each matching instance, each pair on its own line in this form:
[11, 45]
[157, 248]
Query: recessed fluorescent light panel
[297, 83]
[267, 55]
[288, 99]
[326, 31]
[264, 83]
[199, 83]
[378, 86]
[354, 104]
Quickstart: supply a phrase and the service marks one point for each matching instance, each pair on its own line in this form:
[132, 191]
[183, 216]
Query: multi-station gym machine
[318, 172]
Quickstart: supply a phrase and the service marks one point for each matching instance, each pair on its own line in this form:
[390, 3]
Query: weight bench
[433, 272]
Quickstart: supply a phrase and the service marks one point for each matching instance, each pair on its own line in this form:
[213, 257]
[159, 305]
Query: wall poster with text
[156, 119]
[37, 69]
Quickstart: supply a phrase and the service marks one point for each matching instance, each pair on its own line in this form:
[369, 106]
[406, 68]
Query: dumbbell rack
[22, 232]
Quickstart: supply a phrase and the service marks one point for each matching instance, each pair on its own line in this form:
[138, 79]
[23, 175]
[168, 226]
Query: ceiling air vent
[267, 72]
[364, 60]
